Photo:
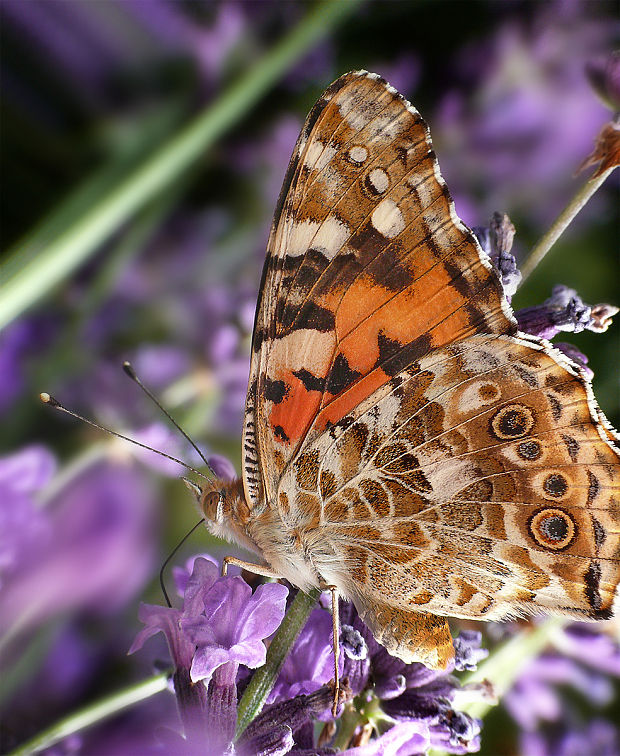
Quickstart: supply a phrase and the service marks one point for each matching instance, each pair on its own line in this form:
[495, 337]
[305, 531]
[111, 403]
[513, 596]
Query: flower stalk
[583, 195]
[264, 678]
[94, 713]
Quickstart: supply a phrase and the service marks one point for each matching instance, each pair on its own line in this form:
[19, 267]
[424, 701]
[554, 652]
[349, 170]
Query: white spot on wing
[304, 348]
[447, 475]
[358, 154]
[387, 219]
[331, 237]
[388, 126]
[379, 180]
[301, 237]
[355, 116]
[319, 155]
[426, 193]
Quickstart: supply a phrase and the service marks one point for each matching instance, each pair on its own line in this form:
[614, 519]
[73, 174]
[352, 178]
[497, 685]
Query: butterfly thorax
[284, 545]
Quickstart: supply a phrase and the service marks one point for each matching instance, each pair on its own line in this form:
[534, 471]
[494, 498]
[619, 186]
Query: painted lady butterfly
[404, 444]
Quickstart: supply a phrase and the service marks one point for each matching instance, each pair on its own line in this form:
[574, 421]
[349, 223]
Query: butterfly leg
[256, 569]
[335, 643]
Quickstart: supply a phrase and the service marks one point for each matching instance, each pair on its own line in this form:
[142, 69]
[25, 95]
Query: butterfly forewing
[368, 268]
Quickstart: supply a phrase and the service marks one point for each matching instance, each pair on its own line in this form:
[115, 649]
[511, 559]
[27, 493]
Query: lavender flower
[310, 663]
[563, 311]
[414, 693]
[105, 510]
[566, 311]
[220, 626]
[596, 738]
[576, 356]
[295, 715]
[74, 550]
[530, 117]
[233, 625]
[23, 527]
[168, 24]
[401, 739]
[222, 467]
[496, 242]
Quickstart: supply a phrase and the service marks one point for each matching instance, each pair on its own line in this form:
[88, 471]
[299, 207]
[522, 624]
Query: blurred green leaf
[74, 233]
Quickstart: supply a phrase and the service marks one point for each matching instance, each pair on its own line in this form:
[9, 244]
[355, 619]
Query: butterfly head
[226, 513]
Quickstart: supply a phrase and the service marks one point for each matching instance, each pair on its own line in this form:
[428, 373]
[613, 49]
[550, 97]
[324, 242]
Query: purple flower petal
[563, 311]
[160, 364]
[234, 622]
[100, 552]
[496, 242]
[222, 467]
[251, 653]
[182, 575]
[205, 574]
[296, 713]
[467, 650]
[263, 612]
[164, 439]
[275, 742]
[28, 470]
[592, 645]
[404, 739]
[578, 357]
[207, 659]
[167, 621]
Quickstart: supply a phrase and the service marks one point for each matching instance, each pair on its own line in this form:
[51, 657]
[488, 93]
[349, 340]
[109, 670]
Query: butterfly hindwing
[478, 484]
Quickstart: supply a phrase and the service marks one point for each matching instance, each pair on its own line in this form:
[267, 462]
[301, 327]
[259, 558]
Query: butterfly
[404, 444]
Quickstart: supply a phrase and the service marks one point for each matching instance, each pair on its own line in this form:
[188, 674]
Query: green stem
[31, 279]
[549, 238]
[32, 654]
[94, 713]
[349, 721]
[264, 678]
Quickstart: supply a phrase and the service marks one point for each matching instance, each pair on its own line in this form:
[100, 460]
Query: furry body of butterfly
[403, 442]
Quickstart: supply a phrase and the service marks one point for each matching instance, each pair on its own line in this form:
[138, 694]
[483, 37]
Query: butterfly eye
[212, 505]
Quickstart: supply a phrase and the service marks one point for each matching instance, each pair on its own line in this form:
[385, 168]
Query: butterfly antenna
[48, 399]
[128, 369]
[169, 557]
